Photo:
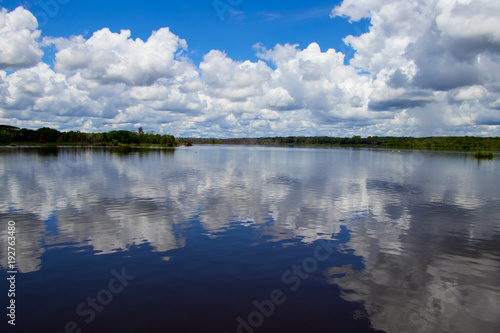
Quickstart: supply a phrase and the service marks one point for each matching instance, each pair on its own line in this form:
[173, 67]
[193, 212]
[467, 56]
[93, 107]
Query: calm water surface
[251, 239]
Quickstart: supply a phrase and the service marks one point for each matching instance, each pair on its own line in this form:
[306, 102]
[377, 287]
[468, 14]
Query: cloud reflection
[429, 245]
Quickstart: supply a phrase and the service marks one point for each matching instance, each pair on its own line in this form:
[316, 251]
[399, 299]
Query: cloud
[296, 15]
[459, 20]
[399, 100]
[271, 16]
[279, 99]
[417, 50]
[18, 39]
[233, 80]
[420, 68]
[110, 57]
[318, 81]
[355, 10]
[237, 15]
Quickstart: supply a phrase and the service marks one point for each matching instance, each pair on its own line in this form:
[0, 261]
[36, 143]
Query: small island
[483, 155]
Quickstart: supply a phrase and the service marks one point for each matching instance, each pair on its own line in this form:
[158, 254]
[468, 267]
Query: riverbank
[465, 143]
[10, 135]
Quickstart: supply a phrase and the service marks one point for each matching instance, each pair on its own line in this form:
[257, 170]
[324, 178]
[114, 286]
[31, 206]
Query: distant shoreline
[14, 136]
[181, 143]
[465, 143]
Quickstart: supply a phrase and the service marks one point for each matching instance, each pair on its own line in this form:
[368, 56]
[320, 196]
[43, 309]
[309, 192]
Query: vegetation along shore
[10, 135]
[466, 143]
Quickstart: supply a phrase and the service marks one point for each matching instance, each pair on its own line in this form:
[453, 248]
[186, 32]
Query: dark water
[251, 239]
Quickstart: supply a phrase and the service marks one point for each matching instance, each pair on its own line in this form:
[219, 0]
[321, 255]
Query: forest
[440, 143]
[10, 135]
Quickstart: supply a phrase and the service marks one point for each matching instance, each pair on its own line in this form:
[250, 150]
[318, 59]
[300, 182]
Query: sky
[241, 68]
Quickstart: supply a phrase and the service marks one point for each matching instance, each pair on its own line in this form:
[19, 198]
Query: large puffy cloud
[42, 97]
[111, 57]
[233, 80]
[320, 82]
[18, 39]
[421, 68]
[434, 62]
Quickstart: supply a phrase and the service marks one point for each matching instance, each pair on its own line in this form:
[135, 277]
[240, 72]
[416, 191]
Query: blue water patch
[51, 225]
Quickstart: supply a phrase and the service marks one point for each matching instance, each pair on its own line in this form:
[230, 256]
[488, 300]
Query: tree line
[442, 143]
[15, 135]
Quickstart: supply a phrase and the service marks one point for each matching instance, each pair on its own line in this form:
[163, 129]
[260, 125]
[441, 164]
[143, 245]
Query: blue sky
[233, 26]
[235, 68]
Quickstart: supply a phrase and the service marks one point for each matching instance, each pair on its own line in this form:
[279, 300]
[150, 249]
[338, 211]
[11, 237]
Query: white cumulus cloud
[110, 57]
[18, 39]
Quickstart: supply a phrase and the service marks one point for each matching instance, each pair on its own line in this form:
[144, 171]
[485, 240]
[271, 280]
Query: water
[251, 239]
